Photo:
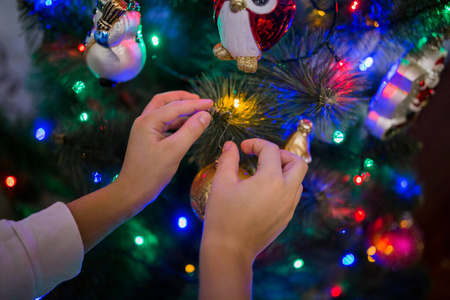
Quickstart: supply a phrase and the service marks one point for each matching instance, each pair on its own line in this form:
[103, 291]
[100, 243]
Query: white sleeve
[38, 253]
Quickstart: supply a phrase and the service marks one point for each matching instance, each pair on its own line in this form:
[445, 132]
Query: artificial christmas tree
[327, 69]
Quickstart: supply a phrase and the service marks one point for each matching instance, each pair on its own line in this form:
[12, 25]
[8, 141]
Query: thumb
[191, 130]
[228, 166]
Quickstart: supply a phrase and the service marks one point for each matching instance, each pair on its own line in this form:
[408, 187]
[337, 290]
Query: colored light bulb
[298, 263]
[78, 87]
[348, 260]
[338, 137]
[139, 240]
[182, 222]
[10, 181]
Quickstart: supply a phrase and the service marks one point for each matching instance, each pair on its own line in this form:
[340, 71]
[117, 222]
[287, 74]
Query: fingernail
[205, 119]
[226, 147]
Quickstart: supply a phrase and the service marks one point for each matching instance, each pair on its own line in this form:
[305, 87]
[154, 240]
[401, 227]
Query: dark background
[432, 128]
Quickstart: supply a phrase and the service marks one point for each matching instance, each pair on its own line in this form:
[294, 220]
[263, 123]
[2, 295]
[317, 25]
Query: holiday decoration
[393, 244]
[201, 187]
[248, 28]
[299, 142]
[239, 113]
[115, 51]
[405, 90]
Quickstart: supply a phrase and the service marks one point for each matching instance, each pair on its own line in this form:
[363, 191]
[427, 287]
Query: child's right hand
[247, 215]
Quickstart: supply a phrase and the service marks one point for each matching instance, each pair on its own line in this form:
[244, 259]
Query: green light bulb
[298, 263]
[84, 117]
[78, 87]
[338, 137]
[139, 240]
[368, 163]
[155, 40]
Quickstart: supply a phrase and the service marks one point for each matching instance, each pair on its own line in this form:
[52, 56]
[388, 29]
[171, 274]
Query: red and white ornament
[404, 91]
[249, 27]
[115, 51]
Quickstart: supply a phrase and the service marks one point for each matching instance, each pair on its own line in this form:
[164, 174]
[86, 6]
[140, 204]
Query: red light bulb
[81, 47]
[10, 181]
[354, 5]
[358, 180]
[336, 291]
[360, 215]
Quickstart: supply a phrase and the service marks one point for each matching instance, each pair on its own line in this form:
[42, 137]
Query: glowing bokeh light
[81, 47]
[321, 13]
[10, 181]
[48, 2]
[139, 240]
[354, 5]
[358, 180]
[299, 263]
[236, 103]
[182, 222]
[96, 177]
[348, 259]
[78, 87]
[360, 215]
[389, 250]
[368, 163]
[338, 137]
[189, 269]
[371, 251]
[155, 40]
[40, 134]
[370, 259]
[336, 291]
[84, 117]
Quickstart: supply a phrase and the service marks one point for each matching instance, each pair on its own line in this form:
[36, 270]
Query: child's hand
[247, 215]
[152, 158]
[243, 217]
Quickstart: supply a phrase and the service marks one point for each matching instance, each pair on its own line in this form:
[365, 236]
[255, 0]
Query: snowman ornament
[115, 51]
[249, 27]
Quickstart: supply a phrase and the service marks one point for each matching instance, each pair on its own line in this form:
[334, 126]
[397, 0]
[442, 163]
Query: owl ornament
[115, 51]
[404, 91]
[249, 27]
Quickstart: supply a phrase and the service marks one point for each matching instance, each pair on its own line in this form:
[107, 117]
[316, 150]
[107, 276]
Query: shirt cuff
[53, 244]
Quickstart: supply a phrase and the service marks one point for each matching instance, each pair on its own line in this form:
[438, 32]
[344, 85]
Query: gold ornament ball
[201, 186]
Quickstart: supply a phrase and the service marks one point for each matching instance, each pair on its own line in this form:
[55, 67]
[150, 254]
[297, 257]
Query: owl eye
[260, 2]
[262, 6]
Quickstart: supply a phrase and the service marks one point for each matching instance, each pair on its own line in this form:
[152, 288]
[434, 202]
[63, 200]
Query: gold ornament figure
[201, 186]
[299, 142]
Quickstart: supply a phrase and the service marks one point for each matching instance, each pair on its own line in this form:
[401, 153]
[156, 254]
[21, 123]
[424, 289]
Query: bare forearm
[224, 273]
[99, 213]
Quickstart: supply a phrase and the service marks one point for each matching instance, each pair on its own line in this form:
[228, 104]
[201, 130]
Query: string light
[370, 259]
[115, 177]
[371, 251]
[348, 259]
[299, 263]
[360, 215]
[236, 103]
[10, 181]
[338, 137]
[336, 291]
[139, 240]
[48, 2]
[155, 40]
[321, 13]
[84, 117]
[358, 180]
[81, 47]
[354, 5]
[40, 134]
[366, 64]
[78, 87]
[97, 177]
[189, 269]
[376, 24]
[182, 222]
[368, 163]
